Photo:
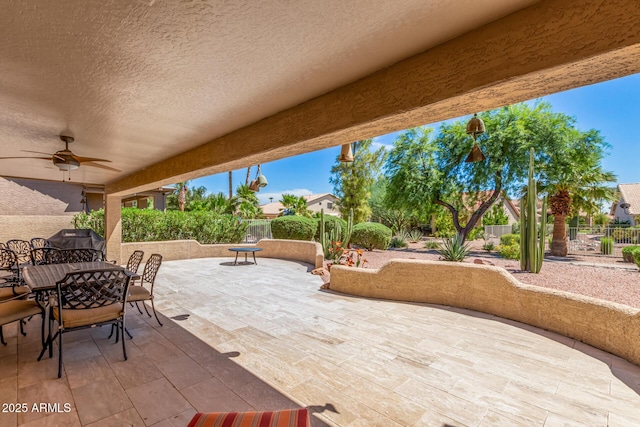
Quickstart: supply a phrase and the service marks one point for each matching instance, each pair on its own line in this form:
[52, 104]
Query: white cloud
[375, 145]
[264, 197]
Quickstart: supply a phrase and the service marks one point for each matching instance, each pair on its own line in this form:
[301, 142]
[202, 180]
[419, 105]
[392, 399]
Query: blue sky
[611, 107]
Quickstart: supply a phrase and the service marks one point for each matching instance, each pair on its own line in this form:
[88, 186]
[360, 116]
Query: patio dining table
[43, 278]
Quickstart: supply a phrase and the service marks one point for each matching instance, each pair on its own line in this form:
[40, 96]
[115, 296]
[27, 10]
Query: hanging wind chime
[475, 127]
[346, 154]
[259, 182]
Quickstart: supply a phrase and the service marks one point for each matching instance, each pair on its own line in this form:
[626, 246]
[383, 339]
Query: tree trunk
[559, 241]
[230, 186]
[477, 214]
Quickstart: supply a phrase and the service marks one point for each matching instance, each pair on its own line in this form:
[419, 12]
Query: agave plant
[415, 235]
[454, 249]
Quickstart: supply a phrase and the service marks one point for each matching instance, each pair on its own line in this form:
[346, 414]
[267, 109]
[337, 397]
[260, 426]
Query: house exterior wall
[620, 215]
[34, 197]
[323, 203]
[26, 227]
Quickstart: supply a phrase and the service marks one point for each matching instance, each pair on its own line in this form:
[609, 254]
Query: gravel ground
[605, 278]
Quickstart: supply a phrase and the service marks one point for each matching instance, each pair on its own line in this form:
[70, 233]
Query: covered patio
[154, 92]
[265, 336]
[171, 91]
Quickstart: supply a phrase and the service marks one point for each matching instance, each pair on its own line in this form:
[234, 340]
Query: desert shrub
[432, 244]
[454, 249]
[330, 223]
[625, 235]
[398, 242]
[606, 245]
[636, 258]
[444, 225]
[509, 239]
[489, 246]
[371, 235]
[476, 233]
[629, 252]
[415, 235]
[509, 251]
[293, 227]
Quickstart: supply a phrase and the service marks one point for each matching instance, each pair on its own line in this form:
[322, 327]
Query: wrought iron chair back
[41, 256]
[22, 249]
[86, 294]
[151, 269]
[40, 242]
[134, 261]
[139, 293]
[92, 289]
[66, 256]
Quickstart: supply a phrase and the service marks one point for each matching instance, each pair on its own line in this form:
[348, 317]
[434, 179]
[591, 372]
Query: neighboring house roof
[630, 193]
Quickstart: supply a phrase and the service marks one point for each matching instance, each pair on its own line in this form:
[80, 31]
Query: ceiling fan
[65, 160]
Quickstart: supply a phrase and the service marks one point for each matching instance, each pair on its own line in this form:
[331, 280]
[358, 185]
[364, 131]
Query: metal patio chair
[22, 249]
[17, 308]
[88, 298]
[140, 292]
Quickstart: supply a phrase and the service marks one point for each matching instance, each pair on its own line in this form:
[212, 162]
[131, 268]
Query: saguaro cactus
[347, 232]
[323, 236]
[532, 248]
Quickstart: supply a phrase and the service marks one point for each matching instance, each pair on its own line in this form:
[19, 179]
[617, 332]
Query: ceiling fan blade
[43, 158]
[37, 152]
[98, 165]
[89, 159]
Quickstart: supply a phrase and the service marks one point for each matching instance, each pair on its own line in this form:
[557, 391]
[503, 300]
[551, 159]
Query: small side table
[246, 252]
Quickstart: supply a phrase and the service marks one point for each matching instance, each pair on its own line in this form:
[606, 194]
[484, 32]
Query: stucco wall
[26, 227]
[296, 250]
[611, 327]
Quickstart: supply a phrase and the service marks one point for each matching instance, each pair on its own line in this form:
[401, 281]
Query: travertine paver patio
[265, 337]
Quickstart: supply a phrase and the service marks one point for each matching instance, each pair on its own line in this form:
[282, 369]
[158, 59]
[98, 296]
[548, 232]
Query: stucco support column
[113, 227]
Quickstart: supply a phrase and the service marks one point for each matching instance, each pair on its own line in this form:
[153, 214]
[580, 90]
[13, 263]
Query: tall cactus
[323, 236]
[532, 249]
[347, 232]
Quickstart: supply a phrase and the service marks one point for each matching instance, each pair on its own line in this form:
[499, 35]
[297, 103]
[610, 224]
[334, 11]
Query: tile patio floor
[265, 337]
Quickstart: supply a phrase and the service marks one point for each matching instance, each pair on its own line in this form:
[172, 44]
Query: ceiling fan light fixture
[67, 164]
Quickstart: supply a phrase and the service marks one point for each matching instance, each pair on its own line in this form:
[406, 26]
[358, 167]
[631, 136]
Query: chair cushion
[73, 318]
[10, 311]
[138, 293]
[8, 292]
[284, 418]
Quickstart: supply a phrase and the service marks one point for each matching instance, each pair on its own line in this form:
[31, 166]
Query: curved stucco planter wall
[612, 327]
[295, 250]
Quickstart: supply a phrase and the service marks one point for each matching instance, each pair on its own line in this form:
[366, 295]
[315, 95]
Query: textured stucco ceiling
[140, 81]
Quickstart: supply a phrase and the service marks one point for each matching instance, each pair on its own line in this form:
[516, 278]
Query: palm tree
[181, 188]
[578, 191]
[246, 203]
[219, 204]
[296, 204]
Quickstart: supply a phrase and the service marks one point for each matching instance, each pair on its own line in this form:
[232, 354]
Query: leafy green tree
[352, 181]
[495, 216]
[424, 171]
[398, 220]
